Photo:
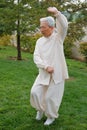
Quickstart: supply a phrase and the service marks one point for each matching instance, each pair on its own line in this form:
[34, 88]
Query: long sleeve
[61, 25]
[38, 60]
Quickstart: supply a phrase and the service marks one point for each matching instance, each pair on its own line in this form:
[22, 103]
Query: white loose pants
[47, 98]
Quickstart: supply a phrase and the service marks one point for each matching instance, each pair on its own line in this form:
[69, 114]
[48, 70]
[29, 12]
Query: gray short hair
[50, 20]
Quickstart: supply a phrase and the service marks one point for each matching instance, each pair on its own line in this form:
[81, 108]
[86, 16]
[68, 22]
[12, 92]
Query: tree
[20, 16]
[23, 16]
[15, 17]
[9, 21]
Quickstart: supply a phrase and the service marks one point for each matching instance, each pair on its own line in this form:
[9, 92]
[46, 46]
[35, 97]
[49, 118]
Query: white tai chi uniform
[47, 91]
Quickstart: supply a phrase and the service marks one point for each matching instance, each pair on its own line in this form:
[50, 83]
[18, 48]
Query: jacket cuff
[57, 13]
[46, 67]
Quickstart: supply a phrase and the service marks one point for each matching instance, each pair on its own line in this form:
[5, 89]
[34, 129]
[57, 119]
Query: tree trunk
[18, 47]
[18, 37]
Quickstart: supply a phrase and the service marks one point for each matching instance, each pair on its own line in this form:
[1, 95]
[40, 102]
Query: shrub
[83, 49]
[5, 40]
[28, 42]
[68, 47]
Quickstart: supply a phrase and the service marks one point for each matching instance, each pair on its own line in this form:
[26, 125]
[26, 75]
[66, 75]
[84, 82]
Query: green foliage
[28, 42]
[5, 40]
[77, 19]
[83, 49]
[7, 17]
[68, 44]
[28, 13]
[75, 32]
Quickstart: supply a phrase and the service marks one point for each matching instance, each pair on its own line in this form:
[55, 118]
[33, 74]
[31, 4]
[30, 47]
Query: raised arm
[61, 25]
[61, 22]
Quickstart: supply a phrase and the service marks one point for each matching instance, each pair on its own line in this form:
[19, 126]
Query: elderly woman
[47, 91]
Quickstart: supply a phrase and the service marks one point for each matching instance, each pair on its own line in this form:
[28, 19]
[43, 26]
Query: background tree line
[22, 17]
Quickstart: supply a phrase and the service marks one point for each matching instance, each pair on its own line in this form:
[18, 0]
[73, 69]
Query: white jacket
[49, 52]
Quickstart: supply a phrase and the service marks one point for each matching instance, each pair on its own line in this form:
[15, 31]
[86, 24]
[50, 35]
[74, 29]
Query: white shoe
[39, 115]
[49, 121]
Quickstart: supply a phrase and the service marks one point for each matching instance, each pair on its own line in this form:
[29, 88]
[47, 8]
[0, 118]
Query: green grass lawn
[16, 79]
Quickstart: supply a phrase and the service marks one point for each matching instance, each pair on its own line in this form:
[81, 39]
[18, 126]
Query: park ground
[16, 80]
